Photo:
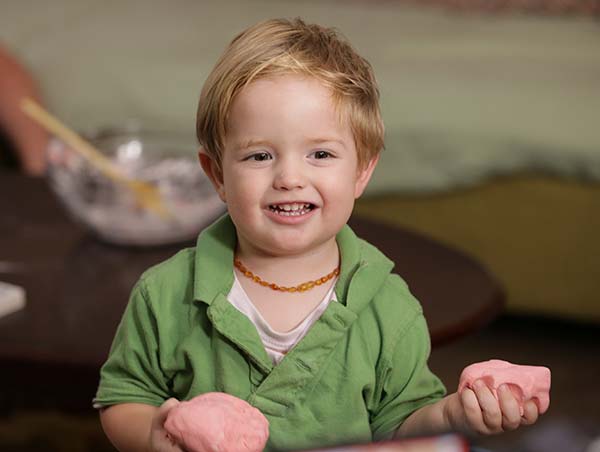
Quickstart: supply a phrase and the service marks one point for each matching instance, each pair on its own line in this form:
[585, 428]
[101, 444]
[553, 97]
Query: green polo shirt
[357, 374]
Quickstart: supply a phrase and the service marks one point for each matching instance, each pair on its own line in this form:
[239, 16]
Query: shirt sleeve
[407, 384]
[132, 372]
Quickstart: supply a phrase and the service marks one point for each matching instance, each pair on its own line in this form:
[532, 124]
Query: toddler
[279, 303]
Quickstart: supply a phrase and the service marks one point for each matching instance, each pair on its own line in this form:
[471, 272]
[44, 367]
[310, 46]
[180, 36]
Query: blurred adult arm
[28, 138]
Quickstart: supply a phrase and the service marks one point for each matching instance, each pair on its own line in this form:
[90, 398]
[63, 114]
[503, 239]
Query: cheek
[338, 192]
[232, 184]
[241, 192]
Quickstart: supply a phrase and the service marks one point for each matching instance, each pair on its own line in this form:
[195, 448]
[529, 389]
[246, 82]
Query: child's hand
[160, 441]
[477, 410]
[496, 396]
[216, 421]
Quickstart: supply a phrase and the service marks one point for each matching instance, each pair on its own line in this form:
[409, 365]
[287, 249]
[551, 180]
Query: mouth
[292, 209]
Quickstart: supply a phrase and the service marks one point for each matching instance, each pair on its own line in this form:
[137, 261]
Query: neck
[291, 269]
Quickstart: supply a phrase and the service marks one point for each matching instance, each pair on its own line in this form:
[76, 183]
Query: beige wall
[540, 236]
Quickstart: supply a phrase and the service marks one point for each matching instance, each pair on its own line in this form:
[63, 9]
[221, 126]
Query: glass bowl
[111, 211]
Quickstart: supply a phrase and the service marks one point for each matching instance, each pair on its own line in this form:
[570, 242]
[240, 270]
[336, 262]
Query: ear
[364, 175]
[213, 172]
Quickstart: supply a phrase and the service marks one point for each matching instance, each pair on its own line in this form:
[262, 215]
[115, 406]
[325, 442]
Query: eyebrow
[326, 140]
[245, 144]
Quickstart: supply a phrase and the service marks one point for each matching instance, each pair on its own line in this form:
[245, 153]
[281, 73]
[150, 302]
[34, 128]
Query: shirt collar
[215, 249]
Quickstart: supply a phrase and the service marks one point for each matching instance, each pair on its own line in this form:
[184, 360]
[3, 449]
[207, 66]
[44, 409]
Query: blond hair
[282, 46]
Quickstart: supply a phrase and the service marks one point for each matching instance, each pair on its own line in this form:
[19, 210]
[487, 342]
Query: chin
[284, 246]
[277, 249]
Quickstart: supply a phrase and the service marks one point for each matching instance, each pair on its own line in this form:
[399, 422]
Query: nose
[289, 175]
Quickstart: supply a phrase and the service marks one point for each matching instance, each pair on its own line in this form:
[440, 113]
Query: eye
[321, 154]
[259, 157]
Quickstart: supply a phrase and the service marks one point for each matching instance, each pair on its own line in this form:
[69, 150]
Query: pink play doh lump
[526, 382]
[218, 422]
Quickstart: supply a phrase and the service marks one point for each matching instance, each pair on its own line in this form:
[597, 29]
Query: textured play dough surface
[527, 382]
[218, 422]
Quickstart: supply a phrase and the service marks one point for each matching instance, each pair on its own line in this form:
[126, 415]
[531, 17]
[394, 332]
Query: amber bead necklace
[299, 288]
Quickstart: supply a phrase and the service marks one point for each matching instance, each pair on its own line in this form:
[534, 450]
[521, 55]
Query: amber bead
[299, 288]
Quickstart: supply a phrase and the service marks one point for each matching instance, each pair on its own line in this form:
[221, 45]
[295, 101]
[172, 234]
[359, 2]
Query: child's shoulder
[393, 308]
[172, 270]
[167, 287]
[393, 286]
[394, 293]
[397, 291]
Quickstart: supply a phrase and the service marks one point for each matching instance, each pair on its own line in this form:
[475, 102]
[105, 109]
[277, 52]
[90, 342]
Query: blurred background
[492, 113]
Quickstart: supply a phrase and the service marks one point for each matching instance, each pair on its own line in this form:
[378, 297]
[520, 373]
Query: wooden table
[77, 288]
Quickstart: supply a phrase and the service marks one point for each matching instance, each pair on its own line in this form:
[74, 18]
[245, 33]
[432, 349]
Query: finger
[492, 416]
[509, 407]
[163, 411]
[168, 405]
[530, 413]
[472, 410]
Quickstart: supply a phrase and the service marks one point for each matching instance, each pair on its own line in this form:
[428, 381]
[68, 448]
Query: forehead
[294, 102]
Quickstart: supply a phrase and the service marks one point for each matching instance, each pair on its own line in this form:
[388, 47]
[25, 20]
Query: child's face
[290, 170]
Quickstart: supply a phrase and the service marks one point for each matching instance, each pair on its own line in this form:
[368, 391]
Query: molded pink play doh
[526, 382]
[218, 422]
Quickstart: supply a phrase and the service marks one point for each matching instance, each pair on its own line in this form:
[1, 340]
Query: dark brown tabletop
[77, 286]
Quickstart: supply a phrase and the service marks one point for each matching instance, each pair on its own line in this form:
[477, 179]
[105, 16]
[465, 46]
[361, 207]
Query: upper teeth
[292, 207]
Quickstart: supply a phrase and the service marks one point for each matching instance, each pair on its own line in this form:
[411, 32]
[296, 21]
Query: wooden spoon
[146, 194]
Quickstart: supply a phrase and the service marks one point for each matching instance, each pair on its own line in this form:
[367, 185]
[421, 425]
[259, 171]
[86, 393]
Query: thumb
[163, 411]
[159, 439]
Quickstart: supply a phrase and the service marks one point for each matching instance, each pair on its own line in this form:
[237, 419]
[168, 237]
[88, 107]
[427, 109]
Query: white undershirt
[276, 344]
